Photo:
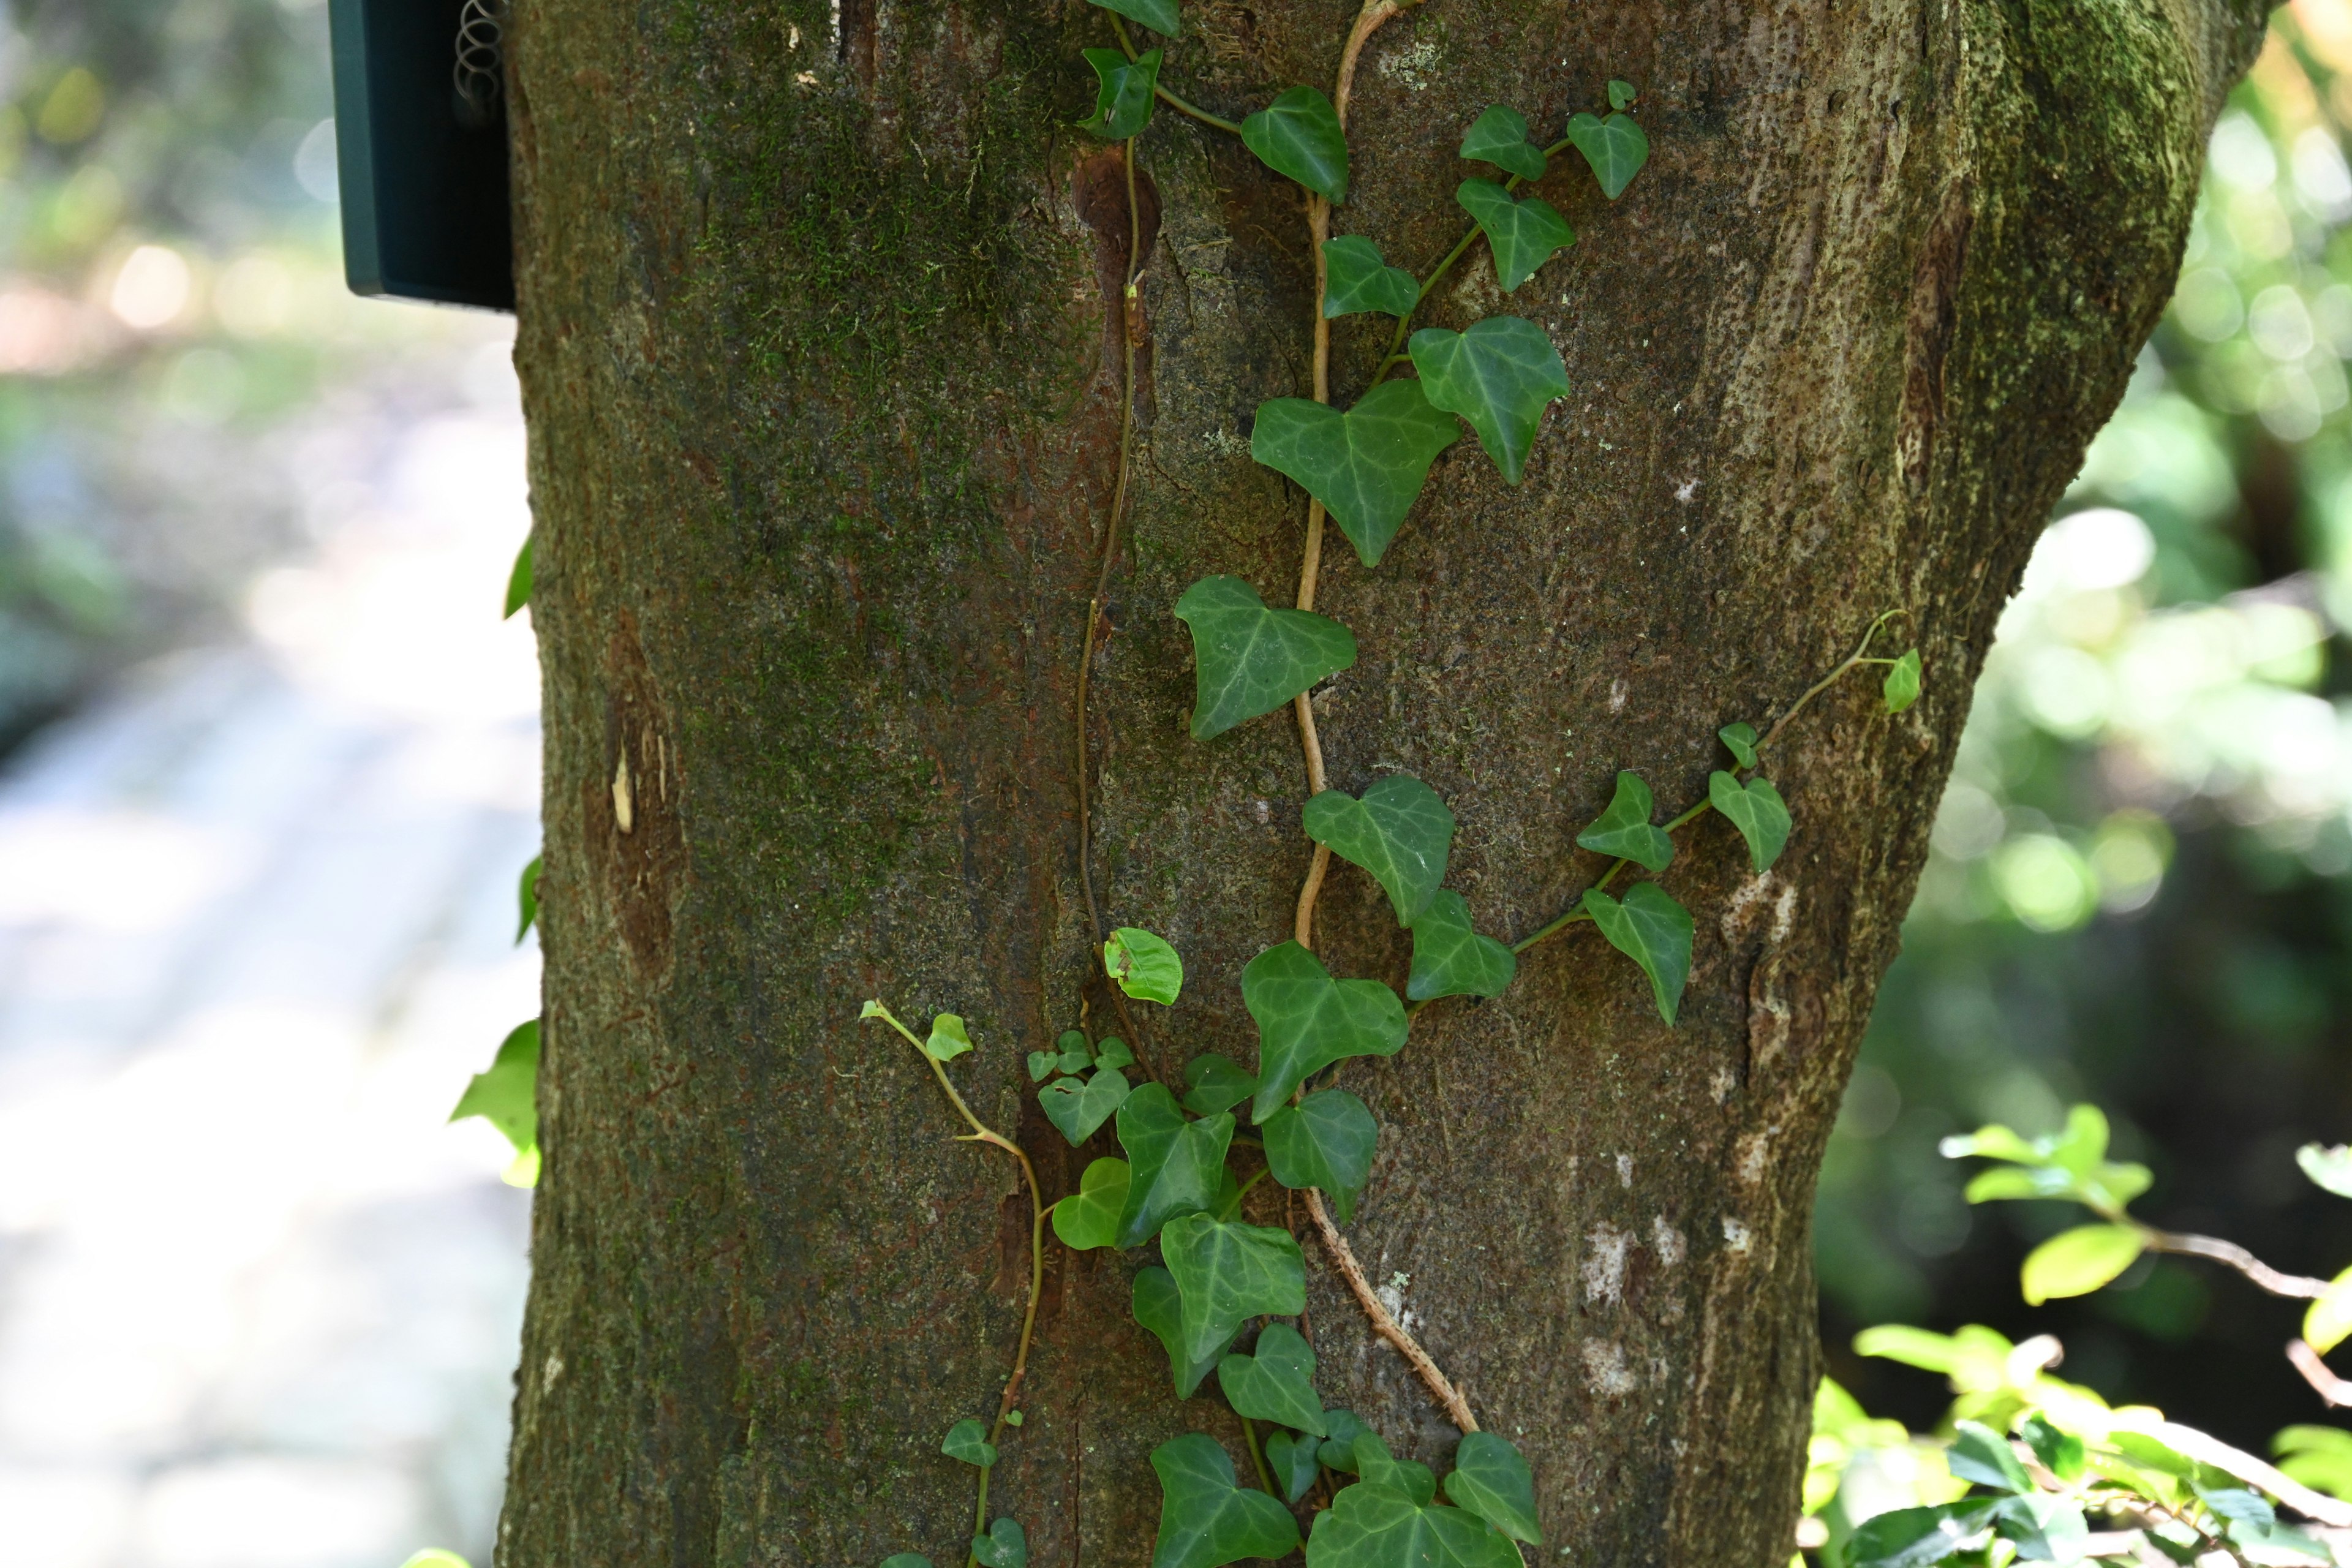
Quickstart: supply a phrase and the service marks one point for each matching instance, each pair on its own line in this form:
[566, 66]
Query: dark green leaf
[968, 1440]
[1499, 375]
[1115, 1054]
[1173, 1164]
[1002, 1547]
[1042, 1064]
[1621, 93]
[527, 899]
[1307, 1021]
[1652, 931]
[1216, 1083]
[1365, 466]
[1339, 1450]
[1450, 959]
[1491, 1478]
[1088, 1217]
[1981, 1455]
[1625, 830]
[1076, 1061]
[1145, 966]
[1123, 93]
[1159, 16]
[1355, 276]
[1079, 1110]
[1292, 1460]
[1615, 148]
[2045, 1529]
[1298, 134]
[1499, 136]
[1325, 1140]
[1159, 1306]
[1227, 1273]
[1229, 1196]
[519, 581]
[1740, 740]
[1902, 685]
[1757, 810]
[506, 1096]
[1207, 1518]
[1525, 232]
[1251, 659]
[1369, 1526]
[948, 1038]
[1916, 1537]
[1381, 1469]
[1276, 1381]
[1401, 831]
[2061, 1453]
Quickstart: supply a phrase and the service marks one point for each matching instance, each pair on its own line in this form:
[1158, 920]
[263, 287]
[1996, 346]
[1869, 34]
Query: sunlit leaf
[1981, 1455]
[2326, 1167]
[1491, 1478]
[948, 1040]
[1276, 1381]
[507, 1095]
[1450, 959]
[1252, 659]
[1173, 1164]
[2078, 1261]
[1366, 466]
[1292, 1460]
[1524, 231]
[1740, 740]
[1325, 1140]
[527, 899]
[1159, 1306]
[1902, 685]
[1614, 147]
[1088, 1217]
[1355, 276]
[1145, 966]
[1307, 1021]
[1756, 809]
[1499, 136]
[1401, 831]
[1123, 93]
[1207, 1518]
[968, 1440]
[1917, 1537]
[1159, 16]
[1298, 134]
[1076, 1109]
[1625, 829]
[1499, 375]
[2329, 1321]
[1652, 931]
[1216, 1083]
[2061, 1453]
[519, 581]
[1228, 1273]
[2045, 1528]
[1005, 1546]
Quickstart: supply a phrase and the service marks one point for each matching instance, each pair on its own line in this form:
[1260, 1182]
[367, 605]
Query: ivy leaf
[1450, 959]
[1524, 232]
[1042, 1064]
[527, 899]
[1115, 1054]
[1757, 810]
[1207, 1518]
[519, 581]
[1325, 1140]
[1276, 1381]
[1369, 1526]
[1380, 1468]
[1401, 831]
[1499, 136]
[1173, 1165]
[507, 1094]
[1981, 1455]
[1902, 686]
[1216, 1083]
[1625, 830]
[905, 1560]
[1292, 1460]
[968, 1440]
[1355, 276]
[1079, 1110]
[1145, 966]
[1159, 1306]
[1228, 1273]
[1615, 148]
[1652, 931]
[2078, 1261]
[1123, 93]
[1002, 1547]
[948, 1038]
[1366, 466]
[1917, 1537]
[2061, 1453]
[1621, 93]
[1298, 134]
[1491, 1478]
[1339, 1450]
[1307, 1020]
[1159, 16]
[1251, 659]
[1739, 740]
[1074, 1054]
[1088, 1217]
[1499, 375]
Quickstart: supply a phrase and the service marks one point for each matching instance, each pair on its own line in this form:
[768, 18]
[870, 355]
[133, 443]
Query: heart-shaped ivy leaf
[1078, 1108]
[1173, 1164]
[1374, 1526]
[1615, 148]
[1042, 1064]
[1298, 134]
[1625, 830]
[1251, 659]
[905, 1560]
[948, 1038]
[1216, 1083]
[1276, 1381]
[1159, 1306]
[1902, 685]
[1401, 831]
[1652, 931]
[968, 1440]
[1159, 16]
[1144, 967]
[1499, 375]
[1292, 1460]
[1307, 1021]
[1450, 959]
[1115, 1054]
[1207, 1518]
[1491, 1478]
[1739, 740]
[506, 1093]
[1757, 810]
[1325, 1140]
[1366, 466]
[1380, 1468]
[1227, 1273]
[1357, 278]
[1339, 1450]
[1525, 232]
[1002, 1547]
[1621, 93]
[1123, 93]
[1088, 1217]
[1499, 136]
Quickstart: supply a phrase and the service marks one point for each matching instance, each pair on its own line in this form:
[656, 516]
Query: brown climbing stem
[1457, 1408]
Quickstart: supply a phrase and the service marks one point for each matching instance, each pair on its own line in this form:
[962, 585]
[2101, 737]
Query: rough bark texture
[818, 348]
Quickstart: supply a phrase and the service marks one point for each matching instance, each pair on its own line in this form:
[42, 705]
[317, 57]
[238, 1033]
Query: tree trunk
[822, 350]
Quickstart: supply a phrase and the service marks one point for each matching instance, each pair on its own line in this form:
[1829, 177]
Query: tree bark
[820, 345]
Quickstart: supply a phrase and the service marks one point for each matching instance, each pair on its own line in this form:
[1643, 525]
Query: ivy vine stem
[1456, 1408]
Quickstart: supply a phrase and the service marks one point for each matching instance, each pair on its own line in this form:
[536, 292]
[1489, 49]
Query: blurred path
[259, 1303]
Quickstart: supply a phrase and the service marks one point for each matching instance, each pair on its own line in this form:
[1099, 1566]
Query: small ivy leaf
[2328, 1168]
[1757, 810]
[1450, 959]
[1500, 375]
[507, 1094]
[1355, 276]
[1079, 1110]
[1014, 1418]
[1491, 1478]
[948, 1040]
[1173, 1164]
[1207, 1519]
[905, 1560]
[1216, 1083]
[1524, 232]
[2078, 1261]
[1373, 1526]
[1043, 1065]
[968, 1440]
[1298, 134]
[1159, 16]
[1088, 1217]
[1652, 931]
[1228, 1273]
[1325, 1140]
[1159, 1306]
[1499, 136]
[519, 581]
[1115, 1054]
[527, 899]
[1366, 466]
[1002, 1547]
[1401, 831]
[1380, 1468]
[1307, 1020]
[1123, 93]
[1614, 147]
[1292, 1460]
[1073, 1061]
[1276, 1381]
[2061, 1453]
[1740, 740]
[1981, 1455]
[1339, 1450]
[1901, 686]
[1624, 830]
[1621, 93]
[1251, 659]
[1145, 966]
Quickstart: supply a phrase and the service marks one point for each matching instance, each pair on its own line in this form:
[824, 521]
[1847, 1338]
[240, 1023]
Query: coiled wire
[479, 75]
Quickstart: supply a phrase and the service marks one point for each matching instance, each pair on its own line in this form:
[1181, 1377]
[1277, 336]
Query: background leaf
[1173, 1164]
[1207, 1518]
[1159, 1306]
[2078, 1261]
[1307, 1021]
[1123, 93]
[1366, 466]
[1450, 959]
[1757, 810]
[1981, 1455]
[1491, 1478]
[1615, 148]
[1144, 965]
[1252, 659]
[1325, 1140]
[1216, 1083]
[1088, 1217]
[1401, 832]
[1298, 134]
[1624, 829]
[1524, 232]
[1499, 375]
[1228, 1273]
[1276, 1381]
[1159, 16]
[1355, 276]
[1499, 136]
[1077, 1110]
[1652, 931]
[507, 1094]
[2328, 1168]
[527, 899]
